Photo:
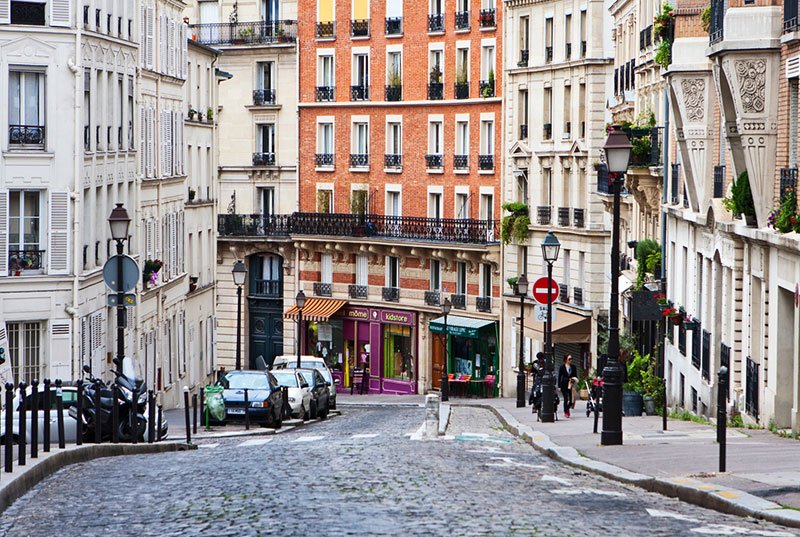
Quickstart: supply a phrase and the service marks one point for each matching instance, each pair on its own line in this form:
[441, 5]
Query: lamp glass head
[300, 299]
[446, 306]
[550, 247]
[119, 221]
[239, 273]
[522, 285]
[618, 150]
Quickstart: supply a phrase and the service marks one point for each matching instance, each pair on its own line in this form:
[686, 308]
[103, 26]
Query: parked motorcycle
[536, 395]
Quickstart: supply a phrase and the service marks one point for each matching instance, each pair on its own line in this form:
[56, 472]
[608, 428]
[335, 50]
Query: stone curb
[444, 417]
[378, 404]
[708, 495]
[38, 469]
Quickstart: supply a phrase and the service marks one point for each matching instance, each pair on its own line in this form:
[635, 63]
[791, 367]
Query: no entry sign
[545, 290]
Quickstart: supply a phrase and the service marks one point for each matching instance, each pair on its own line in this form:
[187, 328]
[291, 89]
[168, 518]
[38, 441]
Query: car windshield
[286, 378]
[239, 382]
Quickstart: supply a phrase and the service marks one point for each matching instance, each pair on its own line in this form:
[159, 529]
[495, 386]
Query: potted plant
[705, 18]
[740, 201]
[512, 283]
[192, 113]
[515, 225]
[436, 74]
[210, 114]
[663, 21]
[632, 389]
[199, 116]
[150, 272]
[663, 55]
[644, 249]
[192, 194]
[488, 89]
[279, 31]
[785, 218]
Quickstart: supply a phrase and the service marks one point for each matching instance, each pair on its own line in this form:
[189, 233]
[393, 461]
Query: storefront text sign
[359, 314]
[397, 317]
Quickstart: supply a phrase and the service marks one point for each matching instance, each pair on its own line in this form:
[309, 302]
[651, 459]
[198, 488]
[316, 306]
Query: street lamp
[300, 302]
[119, 221]
[522, 290]
[618, 151]
[446, 307]
[550, 249]
[239, 274]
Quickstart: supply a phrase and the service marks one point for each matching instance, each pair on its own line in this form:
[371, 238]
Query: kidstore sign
[397, 317]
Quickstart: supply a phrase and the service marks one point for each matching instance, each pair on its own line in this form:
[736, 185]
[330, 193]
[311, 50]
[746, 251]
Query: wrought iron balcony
[462, 20]
[790, 12]
[577, 294]
[523, 132]
[486, 162]
[548, 54]
[487, 18]
[245, 33]
[325, 93]
[715, 27]
[547, 131]
[323, 159]
[435, 91]
[359, 93]
[483, 303]
[392, 161]
[459, 301]
[486, 88]
[462, 91]
[433, 298]
[359, 160]
[269, 288]
[359, 28]
[543, 214]
[254, 225]
[394, 93]
[390, 294]
[788, 182]
[719, 181]
[27, 259]
[436, 23]
[524, 55]
[461, 162]
[563, 216]
[674, 182]
[433, 162]
[323, 289]
[263, 159]
[26, 135]
[394, 25]
[577, 217]
[358, 291]
[262, 97]
[326, 30]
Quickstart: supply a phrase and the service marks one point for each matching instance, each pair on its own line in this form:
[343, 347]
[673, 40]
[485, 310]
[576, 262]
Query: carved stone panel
[694, 99]
[751, 75]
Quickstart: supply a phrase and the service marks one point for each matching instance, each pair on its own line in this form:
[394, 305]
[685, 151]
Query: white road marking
[208, 446]
[509, 462]
[591, 492]
[559, 480]
[364, 435]
[666, 514]
[308, 438]
[255, 442]
[722, 529]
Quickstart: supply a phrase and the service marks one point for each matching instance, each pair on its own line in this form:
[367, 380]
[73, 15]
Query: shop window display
[398, 352]
[325, 340]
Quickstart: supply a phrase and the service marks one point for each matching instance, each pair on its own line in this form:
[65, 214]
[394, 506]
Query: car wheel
[324, 415]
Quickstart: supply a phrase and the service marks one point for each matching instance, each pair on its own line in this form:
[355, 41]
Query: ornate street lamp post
[300, 302]
[119, 221]
[522, 290]
[239, 274]
[446, 307]
[550, 249]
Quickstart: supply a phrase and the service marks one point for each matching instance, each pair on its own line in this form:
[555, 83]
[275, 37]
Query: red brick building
[399, 191]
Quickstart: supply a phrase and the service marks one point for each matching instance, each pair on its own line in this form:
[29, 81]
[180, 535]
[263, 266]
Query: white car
[310, 362]
[299, 394]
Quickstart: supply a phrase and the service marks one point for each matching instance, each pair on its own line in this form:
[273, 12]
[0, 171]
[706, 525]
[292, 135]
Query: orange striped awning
[316, 309]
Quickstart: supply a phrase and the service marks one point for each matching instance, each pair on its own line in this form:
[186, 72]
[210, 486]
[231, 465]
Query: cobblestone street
[357, 474]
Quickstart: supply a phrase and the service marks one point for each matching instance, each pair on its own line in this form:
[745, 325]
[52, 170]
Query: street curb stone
[444, 417]
[708, 495]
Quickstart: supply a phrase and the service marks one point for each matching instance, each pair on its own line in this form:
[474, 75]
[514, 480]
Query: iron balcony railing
[461, 90]
[325, 93]
[26, 134]
[462, 20]
[27, 259]
[486, 88]
[390, 294]
[715, 27]
[487, 18]
[435, 91]
[790, 13]
[359, 93]
[263, 97]
[270, 288]
[603, 179]
[358, 291]
[459, 301]
[563, 216]
[436, 23]
[359, 160]
[577, 217]
[394, 25]
[577, 294]
[788, 181]
[460, 162]
[433, 162]
[245, 33]
[394, 93]
[433, 298]
[392, 161]
[719, 181]
[326, 30]
[263, 159]
[483, 303]
[563, 293]
[254, 225]
[646, 145]
[486, 162]
[323, 159]
[524, 54]
[359, 28]
[523, 132]
[323, 289]
[543, 214]
[675, 174]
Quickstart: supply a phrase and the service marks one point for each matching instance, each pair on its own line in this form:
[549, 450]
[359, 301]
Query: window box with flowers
[785, 218]
[150, 272]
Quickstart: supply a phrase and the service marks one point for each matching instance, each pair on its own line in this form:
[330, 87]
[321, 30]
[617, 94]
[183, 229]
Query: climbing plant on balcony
[705, 18]
[644, 250]
[664, 53]
[663, 21]
[515, 225]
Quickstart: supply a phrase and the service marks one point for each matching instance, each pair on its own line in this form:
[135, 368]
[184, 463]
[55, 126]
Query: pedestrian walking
[567, 377]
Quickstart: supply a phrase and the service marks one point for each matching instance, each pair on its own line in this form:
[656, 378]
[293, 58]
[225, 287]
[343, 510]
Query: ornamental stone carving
[694, 98]
[752, 78]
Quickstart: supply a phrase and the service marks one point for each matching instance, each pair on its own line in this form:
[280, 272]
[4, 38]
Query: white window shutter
[184, 52]
[60, 349]
[60, 11]
[170, 26]
[174, 244]
[142, 140]
[148, 239]
[181, 342]
[3, 232]
[142, 33]
[162, 45]
[84, 340]
[157, 239]
[5, 11]
[169, 171]
[59, 233]
[150, 36]
[151, 142]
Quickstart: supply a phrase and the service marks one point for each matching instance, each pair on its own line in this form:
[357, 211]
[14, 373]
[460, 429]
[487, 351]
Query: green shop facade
[467, 346]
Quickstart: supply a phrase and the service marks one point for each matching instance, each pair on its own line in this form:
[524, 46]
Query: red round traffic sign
[541, 288]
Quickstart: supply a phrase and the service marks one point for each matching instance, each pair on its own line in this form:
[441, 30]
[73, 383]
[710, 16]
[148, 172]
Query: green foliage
[664, 53]
[645, 249]
[512, 282]
[653, 263]
[627, 342]
[736, 421]
[358, 201]
[436, 74]
[741, 199]
[645, 119]
[210, 114]
[641, 146]
[785, 218]
[395, 80]
[685, 415]
[705, 18]
[515, 225]
[461, 75]
[637, 365]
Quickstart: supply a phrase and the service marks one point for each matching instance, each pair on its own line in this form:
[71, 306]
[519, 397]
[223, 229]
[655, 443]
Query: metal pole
[158, 423]
[548, 381]
[202, 404]
[115, 414]
[97, 414]
[194, 413]
[9, 441]
[78, 409]
[445, 387]
[300, 336]
[239, 328]
[662, 352]
[121, 316]
[521, 370]
[186, 413]
[46, 430]
[60, 415]
[133, 416]
[151, 417]
[722, 414]
[22, 425]
[246, 410]
[612, 374]
[35, 419]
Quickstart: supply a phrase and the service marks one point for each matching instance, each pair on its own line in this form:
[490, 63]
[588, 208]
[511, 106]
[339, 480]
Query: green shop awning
[460, 326]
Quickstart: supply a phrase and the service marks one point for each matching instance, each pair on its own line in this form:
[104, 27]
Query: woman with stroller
[567, 377]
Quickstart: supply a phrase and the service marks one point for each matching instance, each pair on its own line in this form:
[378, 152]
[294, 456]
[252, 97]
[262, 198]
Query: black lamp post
[522, 290]
[550, 249]
[119, 221]
[239, 274]
[446, 307]
[300, 301]
[618, 151]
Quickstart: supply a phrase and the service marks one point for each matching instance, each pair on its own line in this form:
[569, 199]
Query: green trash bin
[214, 404]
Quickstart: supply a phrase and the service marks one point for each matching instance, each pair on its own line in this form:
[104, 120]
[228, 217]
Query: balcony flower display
[150, 272]
[785, 218]
[515, 225]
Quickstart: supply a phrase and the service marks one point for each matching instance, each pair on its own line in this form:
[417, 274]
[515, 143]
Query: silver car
[311, 362]
[299, 394]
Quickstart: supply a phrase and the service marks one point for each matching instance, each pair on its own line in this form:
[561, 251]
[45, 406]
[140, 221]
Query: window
[358, 201]
[26, 108]
[567, 111]
[435, 139]
[547, 133]
[522, 260]
[436, 275]
[582, 109]
[394, 142]
[265, 75]
[524, 40]
[394, 71]
[393, 207]
[487, 137]
[567, 270]
[487, 207]
[324, 200]
[87, 110]
[325, 143]
[523, 114]
[462, 205]
[435, 60]
[325, 71]
[461, 278]
[24, 229]
[30, 13]
[548, 39]
[392, 271]
[462, 73]
[583, 33]
[487, 63]
[486, 280]
[24, 346]
[462, 144]
[361, 70]
[268, 201]
[522, 186]
[270, 10]
[326, 268]
[266, 142]
[361, 140]
[362, 272]
[435, 205]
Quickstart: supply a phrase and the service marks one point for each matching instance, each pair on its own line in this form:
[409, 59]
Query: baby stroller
[595, 401]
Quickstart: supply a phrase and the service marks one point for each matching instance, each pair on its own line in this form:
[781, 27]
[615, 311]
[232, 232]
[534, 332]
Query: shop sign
[324, 332]
[359, 314]
[397, 317]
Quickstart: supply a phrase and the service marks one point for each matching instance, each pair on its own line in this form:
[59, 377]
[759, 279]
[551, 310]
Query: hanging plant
[664, 54]
[515, 225]
[741, 199]
[785, 218]
[705, 18]
[663, 21]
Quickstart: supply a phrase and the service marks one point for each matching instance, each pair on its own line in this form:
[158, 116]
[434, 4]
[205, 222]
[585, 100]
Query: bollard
[186, 407]
[722, 414]
[246, 410]
[9, 439]
[287, 409]
[78, 409]
[431, 415]
[34, 419]
[158, 423]
[60, 415]
[46, 431]
[22, 430]
[194, 413]
[97, 414]
[596, 415]
[133, 416]
[151, 417]
[202, 404]
[115, 414]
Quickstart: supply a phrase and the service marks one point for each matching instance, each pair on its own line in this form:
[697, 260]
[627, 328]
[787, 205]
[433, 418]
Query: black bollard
[9, 440]
[151, 417]
[46, 431]
[97, 414]
[22, 430]
[115, 414]
[35, 419]
[722, 414]
[194, 413]
[246, 410]
[202, 405]
[186, 413]
[158, 423]
[60, 414]
[133, 415]
[78, 408]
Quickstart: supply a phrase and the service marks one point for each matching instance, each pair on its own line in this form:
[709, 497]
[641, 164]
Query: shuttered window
[59, 233]
[150, 36]
[25, 350]
[60, 11]
[362, 271]
[326, 268]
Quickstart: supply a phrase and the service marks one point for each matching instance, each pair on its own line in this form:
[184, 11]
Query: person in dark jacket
[567, 374]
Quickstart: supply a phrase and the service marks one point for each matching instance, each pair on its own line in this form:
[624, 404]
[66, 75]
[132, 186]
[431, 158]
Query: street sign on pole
[545, 290]
[130, 273]
[540, 313]
[128, 300]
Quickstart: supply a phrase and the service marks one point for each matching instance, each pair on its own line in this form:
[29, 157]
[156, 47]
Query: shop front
[467, 350]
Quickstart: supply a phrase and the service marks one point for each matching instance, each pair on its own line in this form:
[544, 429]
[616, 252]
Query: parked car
[320, 392]
[312, 362]
[299, 391]
[263, 396]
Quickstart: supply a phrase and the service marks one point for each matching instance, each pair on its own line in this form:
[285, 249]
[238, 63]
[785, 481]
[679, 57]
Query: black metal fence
[254, 225]
[790, 12]
[788, 181]
[715, 28]
[245, 33]
[751, 389]
[719, 181]
[705, 368]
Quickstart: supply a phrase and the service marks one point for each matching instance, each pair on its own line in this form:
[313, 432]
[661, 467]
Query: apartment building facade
[557, 76]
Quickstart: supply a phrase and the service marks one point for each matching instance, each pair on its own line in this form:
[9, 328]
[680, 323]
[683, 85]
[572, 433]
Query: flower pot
[649, 405]
[750, 220]
[632, 403]
[677, 320]
[17, 272]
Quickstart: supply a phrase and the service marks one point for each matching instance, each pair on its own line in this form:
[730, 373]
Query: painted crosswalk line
[723, 529]
[255, 442]
[208, 446]
[589, 491]
[308, 438]
[509, 462]
[364, 436]
[559, 480]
